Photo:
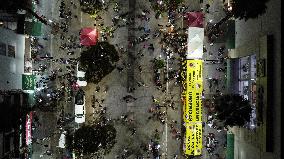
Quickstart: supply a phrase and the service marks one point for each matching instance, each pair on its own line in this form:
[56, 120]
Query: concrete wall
[249, 40]
[11, 69]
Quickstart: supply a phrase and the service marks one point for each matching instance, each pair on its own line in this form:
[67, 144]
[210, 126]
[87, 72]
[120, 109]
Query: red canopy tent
[194, 19]
[89, 36]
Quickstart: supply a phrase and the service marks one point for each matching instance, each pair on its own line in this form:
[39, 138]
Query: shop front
[247, 83]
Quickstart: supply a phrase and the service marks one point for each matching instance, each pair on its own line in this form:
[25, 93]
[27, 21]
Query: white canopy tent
[195, 43]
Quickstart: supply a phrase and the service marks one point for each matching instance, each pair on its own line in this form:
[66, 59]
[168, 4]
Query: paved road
[119, 83]
[209, 71]
[48, 133]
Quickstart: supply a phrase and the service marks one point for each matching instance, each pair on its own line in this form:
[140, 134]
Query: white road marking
[81, 13]
[81, 18]
[166, 121]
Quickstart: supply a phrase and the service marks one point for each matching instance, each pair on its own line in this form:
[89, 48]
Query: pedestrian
[133, 131]
[140, 68]
[48, 152]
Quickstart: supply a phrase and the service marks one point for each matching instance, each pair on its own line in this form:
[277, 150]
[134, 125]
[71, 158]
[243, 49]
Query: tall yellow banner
[192, 87]
[193, 139]
[192, 91]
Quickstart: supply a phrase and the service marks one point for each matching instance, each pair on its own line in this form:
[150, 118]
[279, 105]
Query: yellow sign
[192, 87]
[192, 90]
[198, 139]
[189, 140]
[193, 139]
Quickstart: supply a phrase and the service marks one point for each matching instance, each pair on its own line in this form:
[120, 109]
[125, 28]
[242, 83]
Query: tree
[241, 9]
[85, 141]
[12, 6]
[159, 64]
[246, 9]
[165, 5]
[107, 134]
[98, 61]
[91, 139]
[232, 109]
[91, 6]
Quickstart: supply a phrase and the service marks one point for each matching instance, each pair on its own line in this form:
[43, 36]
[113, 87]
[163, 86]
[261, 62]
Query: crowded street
[146, 100]
[135, 79]
[152, 107]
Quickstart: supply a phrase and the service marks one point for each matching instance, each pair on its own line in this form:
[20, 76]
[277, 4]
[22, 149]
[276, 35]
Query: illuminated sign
[28, 82]
[29, 118]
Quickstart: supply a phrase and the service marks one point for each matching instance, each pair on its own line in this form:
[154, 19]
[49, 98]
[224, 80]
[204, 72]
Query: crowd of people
[173, 40]
[55, 77]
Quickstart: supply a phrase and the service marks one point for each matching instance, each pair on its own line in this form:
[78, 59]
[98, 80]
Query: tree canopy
[98, 61]
[246, 9]
[91, 6]
[12, 7]
[91, 139]
[233, 109]
[241, 9]
[165, 5]
[159, 64]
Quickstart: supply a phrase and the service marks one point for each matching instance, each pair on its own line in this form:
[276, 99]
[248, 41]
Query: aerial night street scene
[140, 79]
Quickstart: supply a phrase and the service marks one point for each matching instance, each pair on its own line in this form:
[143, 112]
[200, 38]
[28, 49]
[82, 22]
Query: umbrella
[89, 36]
[195, 43]
[194, 19]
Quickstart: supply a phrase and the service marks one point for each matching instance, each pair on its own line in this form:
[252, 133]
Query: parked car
[81, 76]
[80, 107]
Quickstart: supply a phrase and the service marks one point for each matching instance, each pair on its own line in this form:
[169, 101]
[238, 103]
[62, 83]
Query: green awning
[31, 99]
[230, 36]
[230, 146]
[28, 82]
[230, 43]
[33, 28]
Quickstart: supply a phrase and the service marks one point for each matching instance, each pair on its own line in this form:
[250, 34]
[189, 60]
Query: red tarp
[89, 36]
[194, 19]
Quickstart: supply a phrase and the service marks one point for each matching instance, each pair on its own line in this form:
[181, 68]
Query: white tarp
[195, 43]
[61, 143]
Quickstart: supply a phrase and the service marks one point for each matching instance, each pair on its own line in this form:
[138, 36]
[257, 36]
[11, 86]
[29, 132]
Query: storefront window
[247, 77]
[247, 83]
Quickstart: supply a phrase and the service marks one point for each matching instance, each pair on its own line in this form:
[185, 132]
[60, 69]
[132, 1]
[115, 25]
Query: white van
[80, 107]
[81, 77]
